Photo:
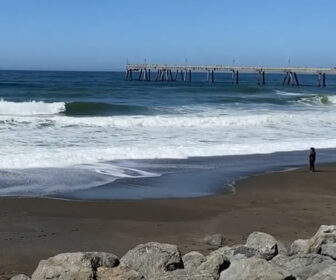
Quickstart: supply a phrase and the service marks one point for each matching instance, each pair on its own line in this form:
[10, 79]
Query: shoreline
[286, 204]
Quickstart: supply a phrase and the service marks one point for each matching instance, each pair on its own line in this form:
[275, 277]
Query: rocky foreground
[262, 258]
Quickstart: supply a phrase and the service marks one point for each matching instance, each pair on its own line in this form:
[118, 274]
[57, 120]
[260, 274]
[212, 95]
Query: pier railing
[172, 73]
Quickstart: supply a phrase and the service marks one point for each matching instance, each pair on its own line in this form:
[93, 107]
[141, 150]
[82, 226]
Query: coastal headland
[288, 205]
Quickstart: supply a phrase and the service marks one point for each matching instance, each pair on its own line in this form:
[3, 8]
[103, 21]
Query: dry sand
[287, 205]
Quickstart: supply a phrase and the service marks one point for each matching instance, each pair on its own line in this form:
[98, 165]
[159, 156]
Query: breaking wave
[318, 100]
[30, 108]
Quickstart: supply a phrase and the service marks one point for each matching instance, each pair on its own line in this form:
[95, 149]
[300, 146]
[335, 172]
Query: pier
[173, 73]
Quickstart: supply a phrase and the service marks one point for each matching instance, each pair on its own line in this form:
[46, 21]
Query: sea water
[93, 135]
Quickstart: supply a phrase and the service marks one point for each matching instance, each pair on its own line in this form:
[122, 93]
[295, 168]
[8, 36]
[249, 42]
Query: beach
[288, 205]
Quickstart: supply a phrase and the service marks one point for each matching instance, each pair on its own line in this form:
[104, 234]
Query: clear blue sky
[103, 34]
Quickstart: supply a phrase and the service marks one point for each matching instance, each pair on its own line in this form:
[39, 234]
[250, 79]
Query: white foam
[319, 100]
[57, 141]
[30, 108]
[33, 134]
[185, 121]
[286, 93]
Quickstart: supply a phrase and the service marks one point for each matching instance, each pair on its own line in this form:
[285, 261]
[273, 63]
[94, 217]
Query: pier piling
[261, 77]
[321, 79]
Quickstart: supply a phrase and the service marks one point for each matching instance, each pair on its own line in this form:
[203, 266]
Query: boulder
[328, 273]
[236, 252]
[329, 250]
[152, 259]
[215, 240]
[117, 273]
[215, 263]
[283, 249]
[303, 266]
[182, 274]
[264, 243]
[69, 266]
[20, 277]
[192, 260]
[254, 269]
[325, 235]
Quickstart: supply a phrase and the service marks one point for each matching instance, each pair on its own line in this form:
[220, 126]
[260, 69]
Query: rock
[182, 274]
[152, 259]
[264, 243]
[328, 273]
[192, 260]
[238, 251]
[69, 266]
[215, 240]
[254, 269]
[215, 263]
[20, 277]
[303, 266]
[325, 235]
[117, 273]
[329, 250]
[300, 246]
[283, 249]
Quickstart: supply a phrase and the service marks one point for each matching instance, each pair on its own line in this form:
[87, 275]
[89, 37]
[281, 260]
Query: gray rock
[328, 273]
[303, 266]
[329, 250]
[282, 248]
[236, 252]
[264, 243]
[152, 259]
[215, 240]
[69, 266]
[192, 260]
[182, 274]
[325, 235]
[20, 277]
[254, 269]
[215, 263]
[117, 273]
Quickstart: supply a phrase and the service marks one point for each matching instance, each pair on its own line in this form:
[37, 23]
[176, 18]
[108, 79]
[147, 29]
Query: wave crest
[30, 108]
[318, 100]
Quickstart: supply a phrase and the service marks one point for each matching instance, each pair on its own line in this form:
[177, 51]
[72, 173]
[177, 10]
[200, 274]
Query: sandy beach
[287, 205]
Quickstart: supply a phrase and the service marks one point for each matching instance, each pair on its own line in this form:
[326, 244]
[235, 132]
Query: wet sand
[288, 205]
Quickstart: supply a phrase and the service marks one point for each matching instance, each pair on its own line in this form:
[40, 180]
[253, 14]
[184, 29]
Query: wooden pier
[172, 73]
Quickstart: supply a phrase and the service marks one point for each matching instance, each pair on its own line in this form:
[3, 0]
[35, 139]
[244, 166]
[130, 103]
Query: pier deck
[184, 72]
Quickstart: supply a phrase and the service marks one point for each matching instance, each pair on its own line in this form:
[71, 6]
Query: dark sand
[288, 205]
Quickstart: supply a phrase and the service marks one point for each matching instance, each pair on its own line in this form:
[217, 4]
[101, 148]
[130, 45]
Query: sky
[104, 35]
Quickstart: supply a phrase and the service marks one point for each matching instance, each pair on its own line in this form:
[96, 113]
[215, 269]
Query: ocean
[93, 135]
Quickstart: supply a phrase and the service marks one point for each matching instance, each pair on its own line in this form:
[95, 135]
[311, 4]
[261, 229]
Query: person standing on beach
[312, 158]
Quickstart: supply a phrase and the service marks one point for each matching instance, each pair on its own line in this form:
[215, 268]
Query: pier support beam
[211, 76]
[321, 79]
[291, 78]
[186, 75]
[176, 75]
[129, 76]
[296, 79]
[324, 79]
[140, 75]
[235, 77]
[145, 78]
[261, 77]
